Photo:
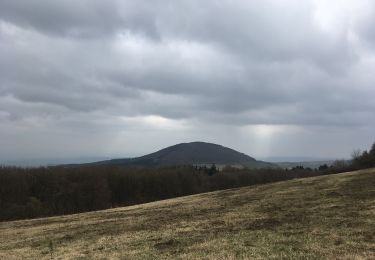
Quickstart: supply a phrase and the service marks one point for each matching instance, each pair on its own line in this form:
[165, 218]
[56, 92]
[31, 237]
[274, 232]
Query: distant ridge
[194, 153]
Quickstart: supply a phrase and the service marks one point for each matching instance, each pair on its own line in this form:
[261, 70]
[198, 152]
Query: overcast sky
[123, 78]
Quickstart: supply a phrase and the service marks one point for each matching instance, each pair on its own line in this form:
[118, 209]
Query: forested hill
[193, 153]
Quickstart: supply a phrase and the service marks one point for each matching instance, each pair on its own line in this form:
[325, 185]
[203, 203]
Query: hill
[194, 153]
[326, 217]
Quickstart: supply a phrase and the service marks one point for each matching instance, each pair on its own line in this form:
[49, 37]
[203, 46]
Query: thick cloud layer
[121, 78]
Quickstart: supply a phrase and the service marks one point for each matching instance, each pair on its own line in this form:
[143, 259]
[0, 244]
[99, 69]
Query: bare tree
[356, 154]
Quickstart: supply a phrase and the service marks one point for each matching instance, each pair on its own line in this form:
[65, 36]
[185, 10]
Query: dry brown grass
[331, 217]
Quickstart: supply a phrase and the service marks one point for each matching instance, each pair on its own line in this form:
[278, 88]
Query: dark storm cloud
[70, 65]
[63, 18]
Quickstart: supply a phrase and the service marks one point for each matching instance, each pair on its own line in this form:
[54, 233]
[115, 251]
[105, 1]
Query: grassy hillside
[322, 217]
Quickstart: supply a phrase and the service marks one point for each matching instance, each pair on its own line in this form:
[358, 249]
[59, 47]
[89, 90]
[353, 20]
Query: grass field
[328, 217]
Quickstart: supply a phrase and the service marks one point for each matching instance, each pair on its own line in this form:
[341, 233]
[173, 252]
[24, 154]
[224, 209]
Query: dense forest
[36, 192]
[48, 191]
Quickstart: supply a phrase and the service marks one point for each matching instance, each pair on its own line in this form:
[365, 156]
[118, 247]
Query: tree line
[363, 160]
[49, 191]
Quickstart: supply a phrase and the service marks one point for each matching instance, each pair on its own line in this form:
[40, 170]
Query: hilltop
[194, 153]
[325, 217]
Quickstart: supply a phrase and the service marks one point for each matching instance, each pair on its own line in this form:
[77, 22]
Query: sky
[122, 78]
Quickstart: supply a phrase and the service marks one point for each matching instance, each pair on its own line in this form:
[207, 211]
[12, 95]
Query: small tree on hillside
[356, 157]
[372, 151]
[356, 154]
[212, 170]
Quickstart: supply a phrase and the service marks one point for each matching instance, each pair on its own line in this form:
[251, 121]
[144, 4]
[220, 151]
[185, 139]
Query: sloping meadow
[323, 217]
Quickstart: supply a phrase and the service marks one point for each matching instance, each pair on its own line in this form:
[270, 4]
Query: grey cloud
[63, 18]
[84, 66]
[270, 30]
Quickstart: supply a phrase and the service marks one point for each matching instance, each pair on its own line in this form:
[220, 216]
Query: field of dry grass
[325, 217]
